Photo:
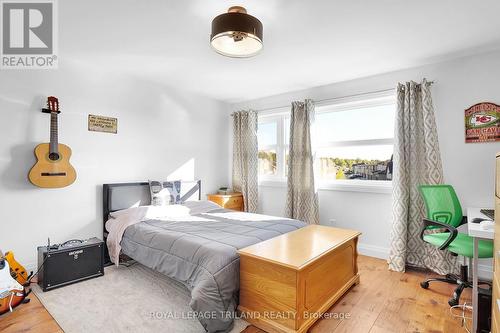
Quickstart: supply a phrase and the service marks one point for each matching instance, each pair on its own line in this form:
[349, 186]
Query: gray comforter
[201, 252]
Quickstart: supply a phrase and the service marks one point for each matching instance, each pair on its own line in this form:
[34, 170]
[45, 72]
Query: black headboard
[125, 195]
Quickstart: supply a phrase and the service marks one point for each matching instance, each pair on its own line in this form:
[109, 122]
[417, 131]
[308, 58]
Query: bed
[198, 249]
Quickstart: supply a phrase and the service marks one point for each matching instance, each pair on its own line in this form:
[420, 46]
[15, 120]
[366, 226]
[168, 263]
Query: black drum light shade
[236, 34]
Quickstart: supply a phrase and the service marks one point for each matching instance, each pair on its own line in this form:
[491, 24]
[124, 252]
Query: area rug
[125, 299]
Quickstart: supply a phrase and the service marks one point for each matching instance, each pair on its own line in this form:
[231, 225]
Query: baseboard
[484, 271]
[373, 251]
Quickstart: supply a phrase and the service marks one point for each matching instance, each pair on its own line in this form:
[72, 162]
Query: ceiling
[306, 43]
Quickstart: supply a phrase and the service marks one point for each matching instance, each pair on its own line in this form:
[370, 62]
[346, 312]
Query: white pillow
[151, 212]
[161, 212]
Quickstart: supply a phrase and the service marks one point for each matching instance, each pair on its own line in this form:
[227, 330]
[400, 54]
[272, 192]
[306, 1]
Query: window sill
[363, 186]
[272, 183]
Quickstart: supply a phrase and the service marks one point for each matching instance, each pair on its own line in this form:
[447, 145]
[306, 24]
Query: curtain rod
[334, 98]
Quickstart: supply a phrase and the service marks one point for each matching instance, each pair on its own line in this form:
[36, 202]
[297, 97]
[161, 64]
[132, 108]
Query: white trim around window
[365, 186]
[280, 116]
[280, 147]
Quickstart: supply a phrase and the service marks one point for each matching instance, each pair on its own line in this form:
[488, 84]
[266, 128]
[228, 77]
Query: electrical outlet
[333, 221]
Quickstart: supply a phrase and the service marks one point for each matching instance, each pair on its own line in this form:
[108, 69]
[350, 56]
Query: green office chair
[444, 212]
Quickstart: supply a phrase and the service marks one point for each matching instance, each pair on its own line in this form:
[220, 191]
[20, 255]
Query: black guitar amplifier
[70, 262]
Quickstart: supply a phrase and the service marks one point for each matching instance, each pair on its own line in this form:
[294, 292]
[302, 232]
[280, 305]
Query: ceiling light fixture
[236, 34]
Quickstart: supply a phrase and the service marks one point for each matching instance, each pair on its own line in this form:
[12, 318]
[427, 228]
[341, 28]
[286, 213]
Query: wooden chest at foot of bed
[288, 282]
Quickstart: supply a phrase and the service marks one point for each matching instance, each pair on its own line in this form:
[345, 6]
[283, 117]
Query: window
[268, 141]
[352, 142]
[271, 147]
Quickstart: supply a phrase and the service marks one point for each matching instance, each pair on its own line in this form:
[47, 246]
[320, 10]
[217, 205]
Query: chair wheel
[452, 302]
[424, 284]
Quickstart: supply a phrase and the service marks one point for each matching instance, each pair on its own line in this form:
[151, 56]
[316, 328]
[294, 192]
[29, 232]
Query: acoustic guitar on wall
[52, 169]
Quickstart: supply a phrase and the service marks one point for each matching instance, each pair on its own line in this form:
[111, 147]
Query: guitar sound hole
[53, 156]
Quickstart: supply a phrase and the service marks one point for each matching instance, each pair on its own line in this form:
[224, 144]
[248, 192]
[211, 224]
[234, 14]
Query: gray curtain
[302, 199]
[245, 158]
[417, 160]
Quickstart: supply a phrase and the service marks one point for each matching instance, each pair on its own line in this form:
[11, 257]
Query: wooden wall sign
[103, 124]
[482, 123]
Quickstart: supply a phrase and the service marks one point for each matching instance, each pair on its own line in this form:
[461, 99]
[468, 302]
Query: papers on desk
[487, 225]
[475, 229]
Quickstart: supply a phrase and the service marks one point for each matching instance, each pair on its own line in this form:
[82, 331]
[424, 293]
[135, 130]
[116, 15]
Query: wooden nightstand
[232, 201]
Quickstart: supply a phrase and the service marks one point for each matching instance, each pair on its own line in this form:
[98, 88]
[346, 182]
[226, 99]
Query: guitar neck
[53, 133]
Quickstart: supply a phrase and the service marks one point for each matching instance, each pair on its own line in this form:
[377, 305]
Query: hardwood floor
[31, 317]
[383, 302]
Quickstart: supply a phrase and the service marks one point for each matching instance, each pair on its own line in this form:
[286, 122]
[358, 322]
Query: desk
[474, 230]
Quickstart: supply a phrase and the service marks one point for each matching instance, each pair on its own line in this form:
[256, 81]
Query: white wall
[162, 133]
[459, 84]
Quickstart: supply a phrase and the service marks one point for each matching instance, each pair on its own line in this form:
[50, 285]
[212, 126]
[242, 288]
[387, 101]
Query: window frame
[280, 115]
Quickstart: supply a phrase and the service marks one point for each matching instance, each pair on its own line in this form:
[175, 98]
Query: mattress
[201, 252]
